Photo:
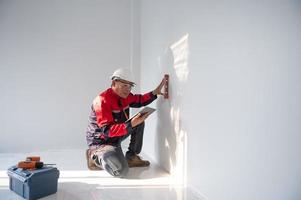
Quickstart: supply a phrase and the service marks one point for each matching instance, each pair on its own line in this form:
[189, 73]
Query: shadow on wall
[171, 136]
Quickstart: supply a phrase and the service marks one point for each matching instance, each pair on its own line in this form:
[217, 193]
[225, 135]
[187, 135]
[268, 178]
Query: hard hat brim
[115, 78]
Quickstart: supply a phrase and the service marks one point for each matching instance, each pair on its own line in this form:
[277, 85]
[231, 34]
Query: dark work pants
[112, 158]
[136, 140]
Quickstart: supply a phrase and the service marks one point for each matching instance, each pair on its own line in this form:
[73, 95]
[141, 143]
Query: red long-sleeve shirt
[109, 113]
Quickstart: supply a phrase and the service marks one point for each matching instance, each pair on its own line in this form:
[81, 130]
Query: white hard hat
[124, 74]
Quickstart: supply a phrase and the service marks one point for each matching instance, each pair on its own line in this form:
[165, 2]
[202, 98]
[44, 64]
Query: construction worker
[108, 126]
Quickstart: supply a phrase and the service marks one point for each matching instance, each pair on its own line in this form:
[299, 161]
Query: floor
[76, 182]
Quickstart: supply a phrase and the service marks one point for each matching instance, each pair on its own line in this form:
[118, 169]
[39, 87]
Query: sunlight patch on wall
[180, 54]
[178, 168]
[180, 67]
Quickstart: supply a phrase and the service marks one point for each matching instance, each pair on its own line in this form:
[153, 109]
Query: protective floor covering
[76, 182]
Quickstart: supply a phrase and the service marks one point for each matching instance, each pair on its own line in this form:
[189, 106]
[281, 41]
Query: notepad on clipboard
[143, 111]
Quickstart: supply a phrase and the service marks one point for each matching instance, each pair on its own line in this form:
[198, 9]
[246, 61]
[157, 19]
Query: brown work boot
[136, 161]
[90, 162]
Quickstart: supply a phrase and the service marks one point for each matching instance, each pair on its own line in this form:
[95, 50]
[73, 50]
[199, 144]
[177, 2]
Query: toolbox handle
[19, 174]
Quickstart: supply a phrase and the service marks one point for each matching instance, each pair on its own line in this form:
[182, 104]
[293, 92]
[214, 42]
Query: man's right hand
[138, 119]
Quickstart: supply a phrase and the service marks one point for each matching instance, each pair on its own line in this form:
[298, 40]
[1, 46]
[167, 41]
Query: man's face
[122, 87]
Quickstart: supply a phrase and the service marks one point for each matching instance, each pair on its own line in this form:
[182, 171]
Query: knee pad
[114, 166]
[113, 163]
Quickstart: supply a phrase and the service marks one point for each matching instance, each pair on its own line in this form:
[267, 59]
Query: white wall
[231, 125]
[55, 57]
[234, 112]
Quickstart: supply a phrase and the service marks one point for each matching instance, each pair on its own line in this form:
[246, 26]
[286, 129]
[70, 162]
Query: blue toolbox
[33, 184]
